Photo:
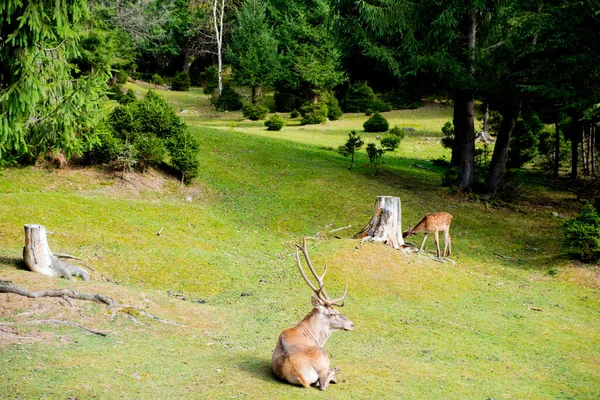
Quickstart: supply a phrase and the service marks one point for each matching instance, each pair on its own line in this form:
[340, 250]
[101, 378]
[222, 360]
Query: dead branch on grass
[63, 293]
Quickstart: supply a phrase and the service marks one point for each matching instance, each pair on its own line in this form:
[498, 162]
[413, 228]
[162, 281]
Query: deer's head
[323, 311]
[326, 314]
[408, 232]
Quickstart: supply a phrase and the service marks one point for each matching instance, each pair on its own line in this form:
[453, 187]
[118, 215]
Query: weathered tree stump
[385, 226]
[39, 258]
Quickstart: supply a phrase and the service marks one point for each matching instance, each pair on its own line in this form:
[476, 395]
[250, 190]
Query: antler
[320, 292]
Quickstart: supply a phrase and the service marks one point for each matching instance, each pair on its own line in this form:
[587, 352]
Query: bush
[390, 143]
[106, 150]
[155, 116]
[275, 123]
[151, 151]
[157, 79]
[583, 233]
[211, 79]
[398, 132]
[368, 112]
[448, 132]
[360, 97]
[122, 76]
[115, 92]
[150, 128]
[294, 114]
[129, 97]
[334, 112]
[181, 82]
[377, 123]
[313, 114]
[229, 100]
[184, 149]
[255, 112]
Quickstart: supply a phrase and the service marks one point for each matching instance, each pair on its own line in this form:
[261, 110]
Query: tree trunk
[593, 149]
[186, 59]
[575, 139]
[386, 224]
[458, 123]
[39, 258]
[466, 162]
[498, 164]
[256, 94]
[218, 14]
[556, 150]
[486, 117]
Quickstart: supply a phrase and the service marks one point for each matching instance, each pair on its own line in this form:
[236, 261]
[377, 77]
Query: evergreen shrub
[144, 132]
[184, 149]
[334, 112]
[181, 82]
[313, 114]
[157, 79]
[583, 232]
[128, 97]
[275, 123]
[229, 100]
[211, 79]
[360, 97]
[398, 132]
[254, 112]
[122, 76]
[377, 123]
[294, 114]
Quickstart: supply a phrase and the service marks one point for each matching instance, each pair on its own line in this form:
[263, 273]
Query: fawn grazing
[434, 223]
[299, 357]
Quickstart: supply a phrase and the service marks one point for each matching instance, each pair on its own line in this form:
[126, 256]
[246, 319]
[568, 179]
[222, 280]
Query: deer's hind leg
[436, 235]
[327, 377]
[447, 244]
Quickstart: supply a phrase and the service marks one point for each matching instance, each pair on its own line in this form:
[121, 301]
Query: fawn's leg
[423, 242]
[436, 235]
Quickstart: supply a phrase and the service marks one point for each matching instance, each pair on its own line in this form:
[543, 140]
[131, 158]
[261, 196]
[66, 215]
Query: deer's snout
[348, 326]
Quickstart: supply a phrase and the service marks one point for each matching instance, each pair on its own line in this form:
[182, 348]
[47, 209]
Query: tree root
[7, 287]
[115, 307]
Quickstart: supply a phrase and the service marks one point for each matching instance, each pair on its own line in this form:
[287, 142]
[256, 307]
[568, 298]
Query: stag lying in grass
[434, 223]
[299, 357]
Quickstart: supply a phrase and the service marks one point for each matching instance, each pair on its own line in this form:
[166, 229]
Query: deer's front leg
[423, 242]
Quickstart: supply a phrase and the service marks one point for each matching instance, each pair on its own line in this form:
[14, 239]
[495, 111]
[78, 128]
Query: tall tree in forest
[46, 105]
[253, 51]
[187, 22]
[428, 37]
[310, 56]
[565, 76]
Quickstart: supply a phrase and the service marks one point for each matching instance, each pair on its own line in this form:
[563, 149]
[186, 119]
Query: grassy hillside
[512, 319]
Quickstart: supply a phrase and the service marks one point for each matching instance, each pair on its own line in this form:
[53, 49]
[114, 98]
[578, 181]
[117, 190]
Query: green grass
[424, 330]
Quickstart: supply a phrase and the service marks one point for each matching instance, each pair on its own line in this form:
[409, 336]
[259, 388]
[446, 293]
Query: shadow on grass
[259, 368]
[17, 263]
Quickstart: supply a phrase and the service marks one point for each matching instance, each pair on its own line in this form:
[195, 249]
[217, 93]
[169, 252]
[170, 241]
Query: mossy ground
[495, 325]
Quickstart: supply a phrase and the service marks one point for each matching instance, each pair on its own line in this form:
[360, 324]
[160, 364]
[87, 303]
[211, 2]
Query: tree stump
[39, 258]
[385, 226]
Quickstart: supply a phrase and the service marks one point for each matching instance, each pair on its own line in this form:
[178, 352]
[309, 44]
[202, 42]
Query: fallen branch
[7, 287]
[127, 308]
[339, 229]
[69, 323]
[64, 255]
[419, 166]
[503, 256]
[64, 293]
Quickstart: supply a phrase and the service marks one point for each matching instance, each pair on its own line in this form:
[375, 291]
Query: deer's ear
[317, 302]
